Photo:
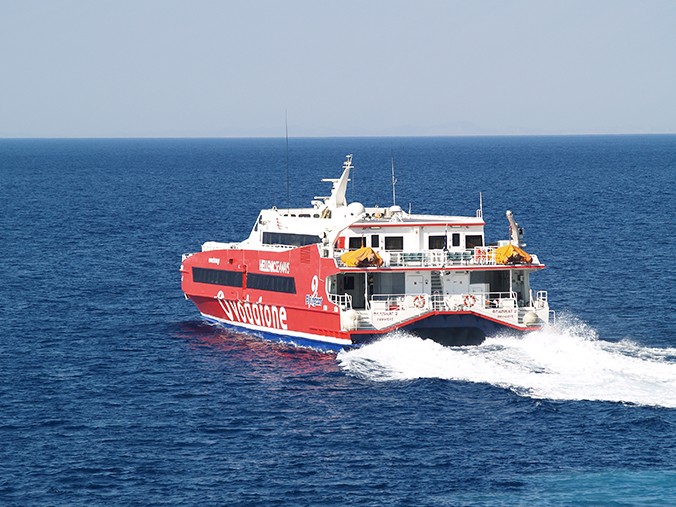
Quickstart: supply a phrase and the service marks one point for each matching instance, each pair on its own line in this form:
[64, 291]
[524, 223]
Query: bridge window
[394, 243]
[437, 242]
[473, 240]
[356, 243]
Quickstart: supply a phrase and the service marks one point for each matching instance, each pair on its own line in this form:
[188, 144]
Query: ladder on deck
[437, 290]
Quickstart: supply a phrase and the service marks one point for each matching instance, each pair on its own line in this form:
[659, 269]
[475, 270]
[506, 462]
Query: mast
[286, 128]
[394, 182]
[337, 198]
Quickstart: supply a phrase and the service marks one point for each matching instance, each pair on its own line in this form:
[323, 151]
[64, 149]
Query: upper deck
[402, 240]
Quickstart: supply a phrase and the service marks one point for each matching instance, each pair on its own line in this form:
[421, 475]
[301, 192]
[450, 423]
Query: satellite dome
[355, 208]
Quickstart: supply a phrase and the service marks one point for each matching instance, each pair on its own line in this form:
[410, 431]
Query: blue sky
[81, 68]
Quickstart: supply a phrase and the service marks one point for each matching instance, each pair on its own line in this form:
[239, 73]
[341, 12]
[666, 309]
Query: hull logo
[312, 300]
[257, 314]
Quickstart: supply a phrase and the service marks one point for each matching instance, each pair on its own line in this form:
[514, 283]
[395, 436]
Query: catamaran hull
[450, 330]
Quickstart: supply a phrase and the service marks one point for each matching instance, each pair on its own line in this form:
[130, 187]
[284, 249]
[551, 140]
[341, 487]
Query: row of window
[217, 277]
[273, 283]
[434, 242]
[283, 238]
[301, 215]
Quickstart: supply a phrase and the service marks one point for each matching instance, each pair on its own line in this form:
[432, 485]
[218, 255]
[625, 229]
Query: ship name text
[268, 266]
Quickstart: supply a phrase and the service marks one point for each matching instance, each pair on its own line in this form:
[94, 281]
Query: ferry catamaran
[339, 274]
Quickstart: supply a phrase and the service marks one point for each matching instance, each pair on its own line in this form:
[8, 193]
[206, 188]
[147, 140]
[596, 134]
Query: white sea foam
[563, 362]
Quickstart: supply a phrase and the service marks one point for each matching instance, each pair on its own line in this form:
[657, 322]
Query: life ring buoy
[469, 300]
[419, 301]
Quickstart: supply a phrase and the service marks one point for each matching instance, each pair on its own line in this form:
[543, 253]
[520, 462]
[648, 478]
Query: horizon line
[596, 134]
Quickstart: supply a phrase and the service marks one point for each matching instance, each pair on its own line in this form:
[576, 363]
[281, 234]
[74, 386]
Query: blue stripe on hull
[282, 338]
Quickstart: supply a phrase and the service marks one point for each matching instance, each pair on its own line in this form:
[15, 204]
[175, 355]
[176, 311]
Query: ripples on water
[112, 392]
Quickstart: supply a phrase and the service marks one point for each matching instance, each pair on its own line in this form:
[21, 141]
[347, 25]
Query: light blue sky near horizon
[206, 68]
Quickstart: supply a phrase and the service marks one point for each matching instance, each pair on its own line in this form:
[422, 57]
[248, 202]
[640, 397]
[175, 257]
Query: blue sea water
[113, 392]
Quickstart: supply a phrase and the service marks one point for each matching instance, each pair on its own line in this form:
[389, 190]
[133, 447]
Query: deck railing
[396, 302]
[456, 302]
[392, 302]
[478, 256]
[344, 301]
[384, 310]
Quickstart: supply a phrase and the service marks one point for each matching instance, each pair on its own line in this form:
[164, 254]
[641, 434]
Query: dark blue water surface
[113, 392]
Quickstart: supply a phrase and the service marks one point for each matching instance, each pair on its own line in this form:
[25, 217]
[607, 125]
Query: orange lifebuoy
[469, 300]
[419, 301]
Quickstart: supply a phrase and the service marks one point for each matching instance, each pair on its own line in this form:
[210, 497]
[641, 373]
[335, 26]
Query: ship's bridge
[427, 237]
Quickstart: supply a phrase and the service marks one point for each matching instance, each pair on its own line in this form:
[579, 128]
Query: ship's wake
[563, 362]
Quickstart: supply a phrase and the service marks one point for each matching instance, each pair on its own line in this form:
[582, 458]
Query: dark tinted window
[375, 240]
[356, 243]
[456, 239]
[217, 277]
[273, 283]
[394, 242]
[282, 238]
[472, 241]
[437, 242]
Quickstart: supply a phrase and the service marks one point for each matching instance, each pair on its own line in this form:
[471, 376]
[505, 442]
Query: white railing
[441, 302]
[478, 256]
[210, 246]
[428, 258]
[385, 310]
[540, 300]
[344, 301]
[474, 301]
[397, 302]
[216, 245]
